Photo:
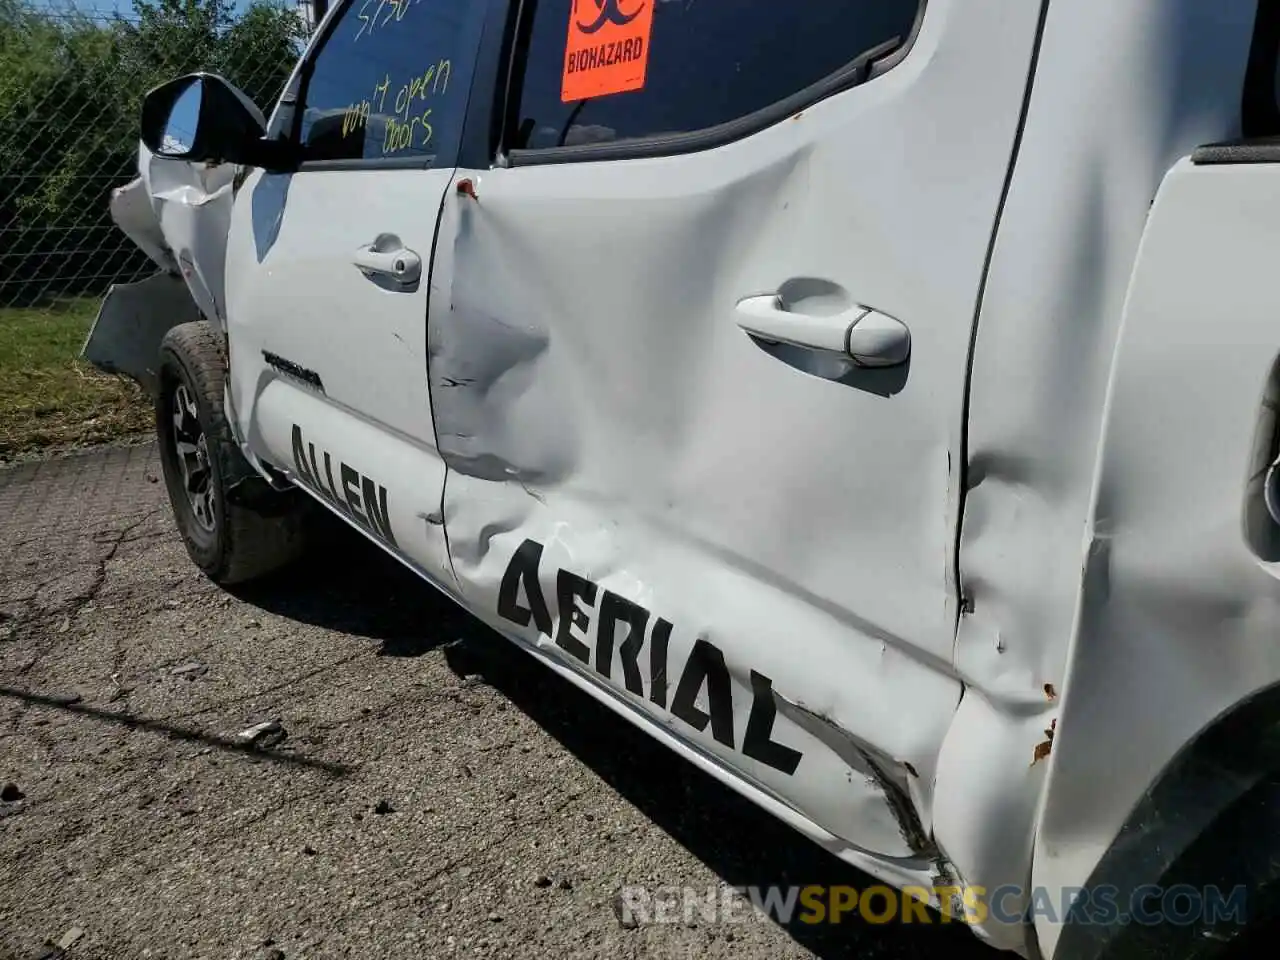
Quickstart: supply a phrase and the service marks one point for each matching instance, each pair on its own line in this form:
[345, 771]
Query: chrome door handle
[388, 257]
[867, 337]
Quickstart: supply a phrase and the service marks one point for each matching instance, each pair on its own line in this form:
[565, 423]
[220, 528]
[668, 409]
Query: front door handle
[867, 337]
[388, 257]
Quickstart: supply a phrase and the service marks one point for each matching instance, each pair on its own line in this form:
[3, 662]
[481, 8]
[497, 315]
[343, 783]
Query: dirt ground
[436, 792]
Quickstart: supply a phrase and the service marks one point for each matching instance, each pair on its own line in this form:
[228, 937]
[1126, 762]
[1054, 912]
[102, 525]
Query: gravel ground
[435, 793]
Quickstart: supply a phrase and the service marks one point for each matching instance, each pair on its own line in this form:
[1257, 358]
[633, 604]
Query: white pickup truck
[873, 400]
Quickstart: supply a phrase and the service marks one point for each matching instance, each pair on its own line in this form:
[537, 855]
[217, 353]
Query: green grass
[49, 397]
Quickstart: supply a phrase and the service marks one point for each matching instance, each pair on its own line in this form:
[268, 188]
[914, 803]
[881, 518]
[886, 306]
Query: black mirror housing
[202, 118]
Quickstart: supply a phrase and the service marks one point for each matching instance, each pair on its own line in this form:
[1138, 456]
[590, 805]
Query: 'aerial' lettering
[703, 695]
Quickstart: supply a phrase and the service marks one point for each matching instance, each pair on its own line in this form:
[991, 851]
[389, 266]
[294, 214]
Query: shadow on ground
[362, 591]
[173, 731]
[348, 584]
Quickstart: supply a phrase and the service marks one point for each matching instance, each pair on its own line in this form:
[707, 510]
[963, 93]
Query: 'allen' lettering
[375, 504]
[351, 492]
[300, 459]
[358, 496]
[333, 491]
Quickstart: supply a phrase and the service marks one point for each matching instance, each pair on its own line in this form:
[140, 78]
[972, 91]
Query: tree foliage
[70, 88]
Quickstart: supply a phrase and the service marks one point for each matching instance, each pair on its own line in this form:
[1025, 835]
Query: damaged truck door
[649, 331]
[328, 318]
[699, 379]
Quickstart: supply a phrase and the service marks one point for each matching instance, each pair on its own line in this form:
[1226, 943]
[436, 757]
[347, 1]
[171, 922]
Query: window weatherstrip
[867, 66]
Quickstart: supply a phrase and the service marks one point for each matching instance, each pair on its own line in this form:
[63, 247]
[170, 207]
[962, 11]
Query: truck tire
[231, 541]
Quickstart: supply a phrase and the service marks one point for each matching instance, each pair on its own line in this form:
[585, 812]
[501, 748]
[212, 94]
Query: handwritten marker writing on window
[410, 124]
[376, 14]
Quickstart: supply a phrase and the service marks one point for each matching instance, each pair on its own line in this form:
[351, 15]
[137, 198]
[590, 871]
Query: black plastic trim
[864, 68]
[370, 163]
[882, 65]
[1260, 150]
[257, 493]
[481, 127]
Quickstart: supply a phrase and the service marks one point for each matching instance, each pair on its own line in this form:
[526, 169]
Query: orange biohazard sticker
[608, 48]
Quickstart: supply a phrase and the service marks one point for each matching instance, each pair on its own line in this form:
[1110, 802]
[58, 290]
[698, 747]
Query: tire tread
[251, 545]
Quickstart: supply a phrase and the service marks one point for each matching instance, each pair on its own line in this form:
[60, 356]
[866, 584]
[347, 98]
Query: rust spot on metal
[467, 189]
[1044, 749]
[1050, 692]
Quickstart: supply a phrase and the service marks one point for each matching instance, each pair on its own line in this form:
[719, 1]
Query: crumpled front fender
[133, 319]
[191, 203]
[179, 214]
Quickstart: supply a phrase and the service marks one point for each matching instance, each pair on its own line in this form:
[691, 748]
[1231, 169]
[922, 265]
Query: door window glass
[605, 70]
[391, 81]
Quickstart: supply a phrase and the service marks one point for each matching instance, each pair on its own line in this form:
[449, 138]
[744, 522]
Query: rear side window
[598, 71]
[390, 81]
[1260, 109]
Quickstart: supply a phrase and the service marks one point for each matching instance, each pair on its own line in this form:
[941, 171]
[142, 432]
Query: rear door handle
[867, 337]
[388, 257]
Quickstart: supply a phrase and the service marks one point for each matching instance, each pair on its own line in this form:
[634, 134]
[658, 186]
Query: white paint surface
[580, 390]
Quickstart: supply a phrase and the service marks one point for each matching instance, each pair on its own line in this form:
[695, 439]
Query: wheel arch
[1210, 821]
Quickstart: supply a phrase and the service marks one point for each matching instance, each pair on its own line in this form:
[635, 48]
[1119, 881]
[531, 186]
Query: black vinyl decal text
[621, 626]
[353, 493]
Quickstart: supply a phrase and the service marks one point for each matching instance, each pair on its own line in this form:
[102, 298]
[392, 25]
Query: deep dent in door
[596, 397]
[737, 676]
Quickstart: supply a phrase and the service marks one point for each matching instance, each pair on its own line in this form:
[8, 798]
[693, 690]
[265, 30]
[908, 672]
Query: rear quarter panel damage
[1122, 91]
[1179, 615]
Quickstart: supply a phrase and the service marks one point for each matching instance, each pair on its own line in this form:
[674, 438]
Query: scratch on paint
[536, 496]
[871, 763]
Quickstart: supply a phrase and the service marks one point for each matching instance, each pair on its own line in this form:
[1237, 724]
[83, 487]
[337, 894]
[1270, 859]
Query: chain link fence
[72, 76]
[71, 80]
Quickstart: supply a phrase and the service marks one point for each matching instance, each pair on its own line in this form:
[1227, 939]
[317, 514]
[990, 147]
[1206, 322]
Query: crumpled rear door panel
[749, 548]
[598, 423]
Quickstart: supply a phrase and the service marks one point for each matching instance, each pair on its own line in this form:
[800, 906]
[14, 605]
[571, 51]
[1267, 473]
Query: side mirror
[202, 118]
